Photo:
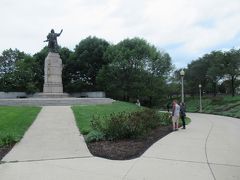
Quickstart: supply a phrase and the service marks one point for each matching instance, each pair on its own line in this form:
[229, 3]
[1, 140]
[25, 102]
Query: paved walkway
[53, 135]
[207, 150]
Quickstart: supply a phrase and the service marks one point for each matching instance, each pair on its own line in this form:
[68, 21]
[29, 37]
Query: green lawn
[228, 106]
[84, 114]
[14, 121]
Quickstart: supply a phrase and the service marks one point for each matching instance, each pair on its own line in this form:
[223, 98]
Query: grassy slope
[84, 114]
[228, 106]
[14, 121]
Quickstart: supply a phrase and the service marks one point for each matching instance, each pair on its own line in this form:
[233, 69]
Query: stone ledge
[54, 101]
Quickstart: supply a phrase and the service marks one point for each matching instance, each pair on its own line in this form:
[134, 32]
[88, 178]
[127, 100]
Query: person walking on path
[183, 114]
[175, 115]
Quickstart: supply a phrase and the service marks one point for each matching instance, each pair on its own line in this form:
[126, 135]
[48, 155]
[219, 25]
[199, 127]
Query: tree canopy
[136, 69]
[216, 71]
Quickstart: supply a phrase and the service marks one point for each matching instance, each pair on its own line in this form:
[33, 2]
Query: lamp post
[200, 96]
[182, 73]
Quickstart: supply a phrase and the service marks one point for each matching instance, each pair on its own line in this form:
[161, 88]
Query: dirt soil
[4, 150]
[129, 148]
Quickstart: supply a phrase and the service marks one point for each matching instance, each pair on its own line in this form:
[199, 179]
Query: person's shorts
[175, 119]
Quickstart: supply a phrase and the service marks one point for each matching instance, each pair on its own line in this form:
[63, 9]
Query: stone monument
[53, 86]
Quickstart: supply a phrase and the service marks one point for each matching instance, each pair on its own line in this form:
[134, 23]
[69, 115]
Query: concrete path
[53, 135]
[207, 150]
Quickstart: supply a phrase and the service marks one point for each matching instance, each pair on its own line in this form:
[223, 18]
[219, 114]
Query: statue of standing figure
[52, 41]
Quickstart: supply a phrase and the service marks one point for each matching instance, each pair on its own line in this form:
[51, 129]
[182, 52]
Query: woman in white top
[175, 115]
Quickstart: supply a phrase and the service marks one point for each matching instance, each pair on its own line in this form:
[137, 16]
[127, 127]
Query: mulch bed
[129, 148]
[4, 150]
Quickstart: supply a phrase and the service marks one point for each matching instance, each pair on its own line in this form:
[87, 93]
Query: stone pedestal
[53, 76]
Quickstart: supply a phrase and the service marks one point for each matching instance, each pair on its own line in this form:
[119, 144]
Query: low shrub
[165, 119]
[7, 139]
[94, 136]
[128, 125]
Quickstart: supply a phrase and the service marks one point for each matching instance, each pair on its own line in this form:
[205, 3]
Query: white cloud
[196, 25]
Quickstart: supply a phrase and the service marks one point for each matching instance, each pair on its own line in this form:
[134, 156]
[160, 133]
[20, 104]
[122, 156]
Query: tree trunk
[232, 85]
[214, 89]
[150, 101]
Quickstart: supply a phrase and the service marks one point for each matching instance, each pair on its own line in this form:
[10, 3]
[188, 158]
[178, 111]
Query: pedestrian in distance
[138, 103]
[183, 114]
[175, 115]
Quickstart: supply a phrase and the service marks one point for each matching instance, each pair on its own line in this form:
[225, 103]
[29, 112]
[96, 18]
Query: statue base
[53, 77]
[51, 95]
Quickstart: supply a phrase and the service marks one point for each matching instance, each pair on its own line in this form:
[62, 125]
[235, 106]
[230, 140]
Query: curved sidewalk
[207, 150]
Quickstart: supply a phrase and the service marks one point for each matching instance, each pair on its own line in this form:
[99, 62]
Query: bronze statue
[52, 41]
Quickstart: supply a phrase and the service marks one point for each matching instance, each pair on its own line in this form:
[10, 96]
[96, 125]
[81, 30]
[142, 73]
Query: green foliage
[94, 136]
[117, 121]
[14, 121]
[228, 106]
[131, 69]
[8, 60]
[84, 114]
[216, 71]
[128, 125]
[83, 66]
[165, 119]
[8, 139]
[136, 69]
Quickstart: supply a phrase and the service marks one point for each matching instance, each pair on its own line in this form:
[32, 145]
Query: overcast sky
[186, 29]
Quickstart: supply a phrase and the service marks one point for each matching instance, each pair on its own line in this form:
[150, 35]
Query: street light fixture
[182, 73]
[200, 96]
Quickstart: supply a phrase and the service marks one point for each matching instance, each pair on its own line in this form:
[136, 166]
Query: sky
[186, 29]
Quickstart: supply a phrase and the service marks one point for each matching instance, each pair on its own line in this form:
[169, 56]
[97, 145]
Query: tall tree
[232, 67]
[39, 58]
[216, 69]
[8, 61]
[25, 75]
[195, 74]
[136, 69]
[85, 63]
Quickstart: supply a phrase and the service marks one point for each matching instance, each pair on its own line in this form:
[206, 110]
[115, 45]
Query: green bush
[128, 125]
[165, 119]
[94, 136]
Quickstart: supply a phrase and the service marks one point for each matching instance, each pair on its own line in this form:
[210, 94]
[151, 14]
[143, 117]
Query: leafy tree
[25, 75]
[195, 74]
[85, 63]
[8, 61]
[207, 71]
[215, 71]
[39, 58]
[136, 69]
[232, 67]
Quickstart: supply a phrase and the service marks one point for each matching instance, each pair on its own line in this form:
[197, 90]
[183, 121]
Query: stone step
[54, 101]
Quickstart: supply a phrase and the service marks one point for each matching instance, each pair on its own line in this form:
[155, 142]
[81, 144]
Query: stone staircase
[54, 101]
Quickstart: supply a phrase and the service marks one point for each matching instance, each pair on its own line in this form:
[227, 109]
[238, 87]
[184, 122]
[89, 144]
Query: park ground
[219, 105]
[207, 149]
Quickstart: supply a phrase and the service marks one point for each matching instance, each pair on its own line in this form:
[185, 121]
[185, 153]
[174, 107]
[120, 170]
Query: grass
[227, 106]
[84, 114]
[14, 121]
